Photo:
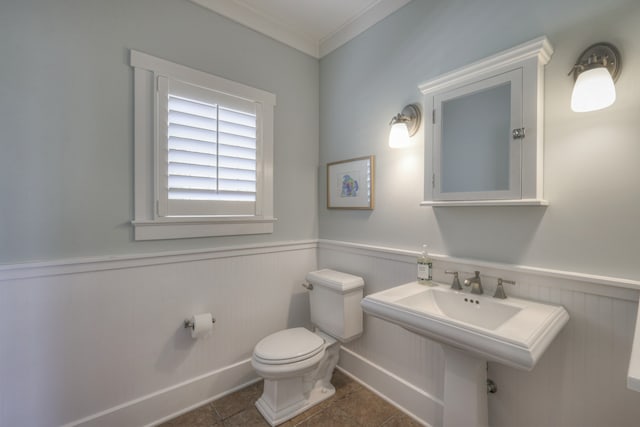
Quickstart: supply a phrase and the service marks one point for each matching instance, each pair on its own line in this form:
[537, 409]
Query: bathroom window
[203, 153]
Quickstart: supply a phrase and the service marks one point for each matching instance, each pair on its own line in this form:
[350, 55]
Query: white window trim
[147, 224]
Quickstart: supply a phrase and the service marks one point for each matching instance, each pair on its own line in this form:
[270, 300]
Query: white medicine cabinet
[484, 139]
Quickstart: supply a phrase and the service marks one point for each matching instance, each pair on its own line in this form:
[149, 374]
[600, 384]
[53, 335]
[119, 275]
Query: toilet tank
[335, 303]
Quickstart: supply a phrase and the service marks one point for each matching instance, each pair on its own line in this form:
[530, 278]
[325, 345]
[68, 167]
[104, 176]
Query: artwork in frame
[350, 183]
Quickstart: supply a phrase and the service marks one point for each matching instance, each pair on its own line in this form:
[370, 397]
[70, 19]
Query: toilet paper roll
[202, 325]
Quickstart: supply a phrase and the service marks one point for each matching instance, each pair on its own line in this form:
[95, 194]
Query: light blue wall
[592, 178]
[66, 169]
[66, 117]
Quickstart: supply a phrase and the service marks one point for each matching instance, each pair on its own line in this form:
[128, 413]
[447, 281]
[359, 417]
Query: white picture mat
[350, 184]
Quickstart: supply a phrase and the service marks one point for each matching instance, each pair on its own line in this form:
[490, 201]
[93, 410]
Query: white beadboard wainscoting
[101, 341]
[580, 381]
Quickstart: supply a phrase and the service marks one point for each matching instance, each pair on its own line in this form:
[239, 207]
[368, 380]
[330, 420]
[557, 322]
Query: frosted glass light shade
[593, 90]
[399, 136]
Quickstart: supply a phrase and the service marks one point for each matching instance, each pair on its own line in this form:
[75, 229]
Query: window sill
[178, 228]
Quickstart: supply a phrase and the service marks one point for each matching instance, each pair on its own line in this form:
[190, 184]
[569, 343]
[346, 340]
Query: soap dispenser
[425, 267]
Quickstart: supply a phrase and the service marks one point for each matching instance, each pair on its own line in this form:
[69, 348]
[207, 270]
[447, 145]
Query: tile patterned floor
[352, 405]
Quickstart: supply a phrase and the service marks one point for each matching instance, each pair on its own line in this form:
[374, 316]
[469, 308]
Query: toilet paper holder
[188, 324]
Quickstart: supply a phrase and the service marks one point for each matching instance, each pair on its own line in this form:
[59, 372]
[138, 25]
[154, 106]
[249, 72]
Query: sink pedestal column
[465, 389]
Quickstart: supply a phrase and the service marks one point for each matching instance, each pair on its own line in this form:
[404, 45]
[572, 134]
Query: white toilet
[297, 364]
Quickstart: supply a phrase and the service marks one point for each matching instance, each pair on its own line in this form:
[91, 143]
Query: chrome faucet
[476, 285]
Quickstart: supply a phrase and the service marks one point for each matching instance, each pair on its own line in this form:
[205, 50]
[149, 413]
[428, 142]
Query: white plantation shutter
[203, 153]
[208, 153]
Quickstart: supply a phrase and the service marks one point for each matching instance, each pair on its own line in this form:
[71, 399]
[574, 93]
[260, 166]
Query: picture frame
[351, 183]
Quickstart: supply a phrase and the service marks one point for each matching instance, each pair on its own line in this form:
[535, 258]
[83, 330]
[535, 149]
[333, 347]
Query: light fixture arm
[410, 116]
[598, 55]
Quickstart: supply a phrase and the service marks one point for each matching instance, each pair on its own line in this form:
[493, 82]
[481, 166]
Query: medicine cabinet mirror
[484, 140]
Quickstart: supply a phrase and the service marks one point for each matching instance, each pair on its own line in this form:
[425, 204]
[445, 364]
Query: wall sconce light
[594, 73]
[404, 126]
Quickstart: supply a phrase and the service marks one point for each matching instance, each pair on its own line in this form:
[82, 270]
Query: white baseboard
[175, 400]
[420, 405]
[184, 397]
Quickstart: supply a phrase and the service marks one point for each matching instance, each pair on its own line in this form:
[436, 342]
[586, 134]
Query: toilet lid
[287, 346]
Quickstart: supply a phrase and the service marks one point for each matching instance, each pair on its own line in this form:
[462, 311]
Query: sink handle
[455, 285]
[500, 289]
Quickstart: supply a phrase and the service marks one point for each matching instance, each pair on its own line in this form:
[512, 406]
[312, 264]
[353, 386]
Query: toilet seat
[288, 346]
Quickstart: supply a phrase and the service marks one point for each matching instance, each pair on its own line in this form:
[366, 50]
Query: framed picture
[350, 183]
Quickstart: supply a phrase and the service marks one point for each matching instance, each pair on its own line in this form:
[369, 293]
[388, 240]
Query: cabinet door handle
[518, 133]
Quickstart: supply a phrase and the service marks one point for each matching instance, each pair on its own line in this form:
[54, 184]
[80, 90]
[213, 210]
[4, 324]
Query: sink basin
[461, 307]
[513, 331]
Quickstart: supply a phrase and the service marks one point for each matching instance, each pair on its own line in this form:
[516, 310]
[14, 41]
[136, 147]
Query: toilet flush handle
[307, 286]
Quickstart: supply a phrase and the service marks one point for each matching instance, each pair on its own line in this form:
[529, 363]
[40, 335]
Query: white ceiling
[315, 27]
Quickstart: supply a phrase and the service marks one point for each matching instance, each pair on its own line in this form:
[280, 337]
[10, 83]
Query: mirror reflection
[476, 135]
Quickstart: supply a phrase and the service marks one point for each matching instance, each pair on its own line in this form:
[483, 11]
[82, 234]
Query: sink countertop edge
[385, 297]
[524, 357]
[494, 349]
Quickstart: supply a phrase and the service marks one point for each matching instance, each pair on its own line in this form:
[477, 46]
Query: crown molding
[257, 21]
[359, 24]
[284, 33]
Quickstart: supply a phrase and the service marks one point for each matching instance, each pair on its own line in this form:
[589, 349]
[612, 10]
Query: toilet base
[274, 418]
[284, 398]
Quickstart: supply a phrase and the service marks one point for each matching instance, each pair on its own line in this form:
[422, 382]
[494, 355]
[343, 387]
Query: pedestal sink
[633, 375]
[474, 329]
